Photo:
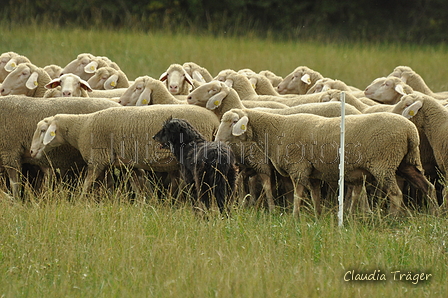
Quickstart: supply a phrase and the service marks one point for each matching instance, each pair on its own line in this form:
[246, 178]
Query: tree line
[420, 21]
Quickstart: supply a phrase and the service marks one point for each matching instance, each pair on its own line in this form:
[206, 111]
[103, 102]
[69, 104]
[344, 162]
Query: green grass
[53, 247]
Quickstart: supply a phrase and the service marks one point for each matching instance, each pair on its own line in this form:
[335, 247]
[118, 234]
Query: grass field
[54, 247]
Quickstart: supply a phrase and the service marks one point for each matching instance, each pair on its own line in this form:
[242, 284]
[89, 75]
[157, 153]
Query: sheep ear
[229, 83]
[145, 98]
[53, 83]
[91, 67]
[399, 89]
[216, 100]
[85, 85]
[404, 77]
[253, 82]
[306, 79]
[325, 88]
[412, 110]
[198, 77]
[189, 79]
[164, 76]
[50, 134]
[111, 82]
[11, 65]
[32, 83]
[240, 127]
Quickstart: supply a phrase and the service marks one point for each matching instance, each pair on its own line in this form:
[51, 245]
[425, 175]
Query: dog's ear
[240, 127]
[168, 120]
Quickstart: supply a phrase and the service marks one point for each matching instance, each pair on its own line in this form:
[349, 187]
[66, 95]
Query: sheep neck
[244, 89]
[161, 95]
[433, 115]
[231, 101]
[70, 128]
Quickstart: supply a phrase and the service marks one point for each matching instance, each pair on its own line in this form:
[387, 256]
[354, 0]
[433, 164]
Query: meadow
[56, 245]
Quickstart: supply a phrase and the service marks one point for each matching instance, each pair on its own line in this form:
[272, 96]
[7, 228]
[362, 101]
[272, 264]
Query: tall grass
[57, 244]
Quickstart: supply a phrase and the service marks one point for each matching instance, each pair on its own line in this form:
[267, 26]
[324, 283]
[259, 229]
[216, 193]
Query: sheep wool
[20, 115]
[103, 139]
[311, 152]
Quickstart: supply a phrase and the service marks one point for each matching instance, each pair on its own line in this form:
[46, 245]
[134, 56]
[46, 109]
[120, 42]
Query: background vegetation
[51, 246]
[419, 21]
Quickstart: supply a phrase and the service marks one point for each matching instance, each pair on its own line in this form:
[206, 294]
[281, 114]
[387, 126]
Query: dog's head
[175, 132]
[163, 136]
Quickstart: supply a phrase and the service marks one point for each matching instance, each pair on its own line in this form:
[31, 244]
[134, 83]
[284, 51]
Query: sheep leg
[316, 196]
[299, 194]
[267, 187]
[14, 181]
[92, 174]
[395, 196]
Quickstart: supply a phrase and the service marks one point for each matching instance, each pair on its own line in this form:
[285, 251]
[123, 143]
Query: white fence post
[341, 163]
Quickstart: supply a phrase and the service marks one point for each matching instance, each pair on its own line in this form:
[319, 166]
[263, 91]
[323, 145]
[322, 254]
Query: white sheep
[246, 92]
[9, 61]
[70, 85]
[335, 95]
[26, 79]
[416, 82]
[85, 65]
[311, 152]
[53, 70]
[197, 72]
[387, 90]
[431, 118]
[328, 84]
[299, 81]
[178, 81]
[73, 84]
[20, 115]
[106, 78]
[108, 137]
[148, 91]
[272, 77]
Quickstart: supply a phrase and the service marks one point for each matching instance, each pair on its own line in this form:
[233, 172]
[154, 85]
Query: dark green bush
[410, 21]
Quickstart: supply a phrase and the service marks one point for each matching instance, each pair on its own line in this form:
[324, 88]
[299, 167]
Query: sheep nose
[66, 93]
[189, 97]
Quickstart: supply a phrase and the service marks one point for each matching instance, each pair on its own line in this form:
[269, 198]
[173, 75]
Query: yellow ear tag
[243, 127]
[112, 84]
[145, 101]
[13, 64]
[253, 86]
[411, 113]
[92, 68]
[216, 103]
[308, 81]
[36, 83]
[52, 133]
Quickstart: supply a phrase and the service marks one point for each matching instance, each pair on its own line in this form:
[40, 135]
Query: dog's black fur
[208, 166]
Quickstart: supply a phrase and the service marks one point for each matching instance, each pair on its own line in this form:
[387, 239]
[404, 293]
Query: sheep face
[233, 127]
[209, 95]
[78, 65]
[386, 90]
[45, 137]
[176, 79]
[71, 85]
[20, 81]
[298, 82]
[4, 59]
[133, 93]
[105, 78]
[223, 74]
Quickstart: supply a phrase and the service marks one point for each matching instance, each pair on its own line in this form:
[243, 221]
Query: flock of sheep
[284, 132]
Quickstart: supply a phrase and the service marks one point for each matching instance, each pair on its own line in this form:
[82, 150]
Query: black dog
[208, 166]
